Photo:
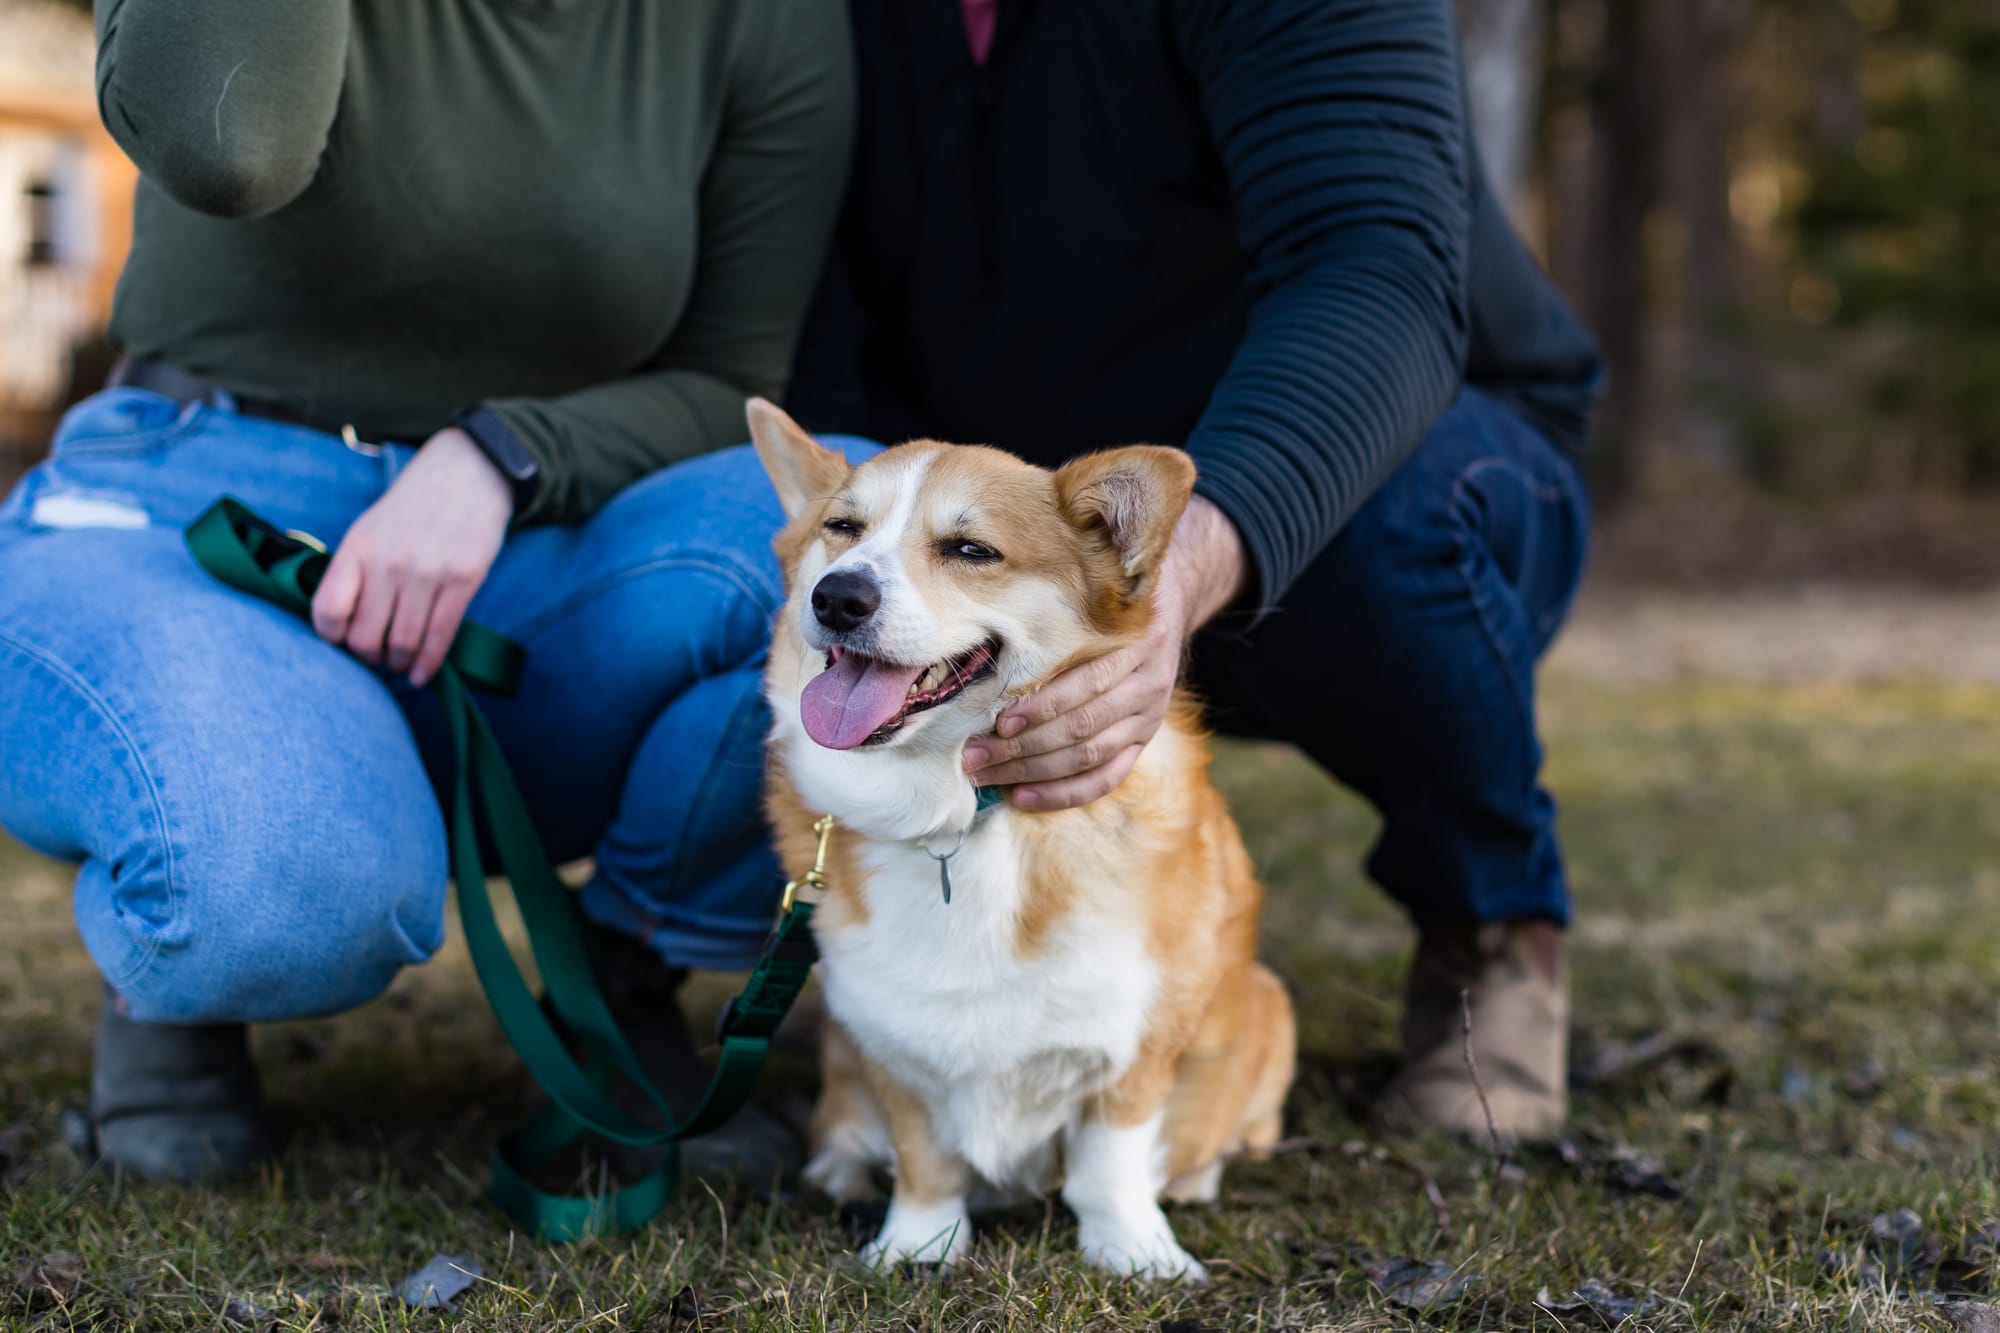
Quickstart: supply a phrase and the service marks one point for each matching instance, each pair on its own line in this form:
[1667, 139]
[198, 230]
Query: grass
[1799, 886]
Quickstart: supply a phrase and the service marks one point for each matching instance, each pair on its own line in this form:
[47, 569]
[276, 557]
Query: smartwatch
[505, 451]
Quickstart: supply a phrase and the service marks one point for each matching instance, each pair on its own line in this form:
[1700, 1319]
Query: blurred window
[42, 247]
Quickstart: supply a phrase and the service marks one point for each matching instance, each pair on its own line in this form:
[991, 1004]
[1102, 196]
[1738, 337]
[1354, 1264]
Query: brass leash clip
[816, 877]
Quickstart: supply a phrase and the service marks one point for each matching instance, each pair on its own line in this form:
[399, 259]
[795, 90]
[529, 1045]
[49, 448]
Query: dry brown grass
[1799, 884]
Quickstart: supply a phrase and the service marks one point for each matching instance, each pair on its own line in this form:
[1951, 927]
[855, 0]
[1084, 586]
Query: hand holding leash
[403, 575]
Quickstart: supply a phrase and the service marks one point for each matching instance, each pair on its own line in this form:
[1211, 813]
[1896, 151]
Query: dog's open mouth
[864, 700]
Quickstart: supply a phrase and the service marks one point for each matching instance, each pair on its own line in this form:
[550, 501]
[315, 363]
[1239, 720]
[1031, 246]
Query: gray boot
[175, 1103]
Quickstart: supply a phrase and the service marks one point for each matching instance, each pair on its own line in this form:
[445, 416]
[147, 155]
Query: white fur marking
[903, 626]
[1113, 1188]
[932, 1233]
[999, 1046]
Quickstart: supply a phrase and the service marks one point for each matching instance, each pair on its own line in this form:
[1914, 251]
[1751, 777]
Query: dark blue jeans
[1403, 662]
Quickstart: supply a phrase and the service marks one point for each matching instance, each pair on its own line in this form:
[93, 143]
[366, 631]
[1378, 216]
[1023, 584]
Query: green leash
[250, 555]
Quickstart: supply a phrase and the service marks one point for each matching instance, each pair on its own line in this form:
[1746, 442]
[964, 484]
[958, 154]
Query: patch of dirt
[1817, 633]
[1731, 541]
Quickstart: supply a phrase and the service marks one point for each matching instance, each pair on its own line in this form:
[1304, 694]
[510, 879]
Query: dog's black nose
[844, 600]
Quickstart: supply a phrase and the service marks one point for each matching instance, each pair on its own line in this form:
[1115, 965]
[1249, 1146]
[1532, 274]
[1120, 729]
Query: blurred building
[65, 218]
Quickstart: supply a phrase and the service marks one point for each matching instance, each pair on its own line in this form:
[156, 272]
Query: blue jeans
[255, 812]
[1403, 662]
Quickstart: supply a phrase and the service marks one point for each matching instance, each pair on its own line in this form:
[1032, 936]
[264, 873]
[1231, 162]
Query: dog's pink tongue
[849, 701]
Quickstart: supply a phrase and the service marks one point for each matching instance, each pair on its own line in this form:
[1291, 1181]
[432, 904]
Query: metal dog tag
[944, 865]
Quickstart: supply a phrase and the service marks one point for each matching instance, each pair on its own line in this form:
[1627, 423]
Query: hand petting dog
[1078, 737]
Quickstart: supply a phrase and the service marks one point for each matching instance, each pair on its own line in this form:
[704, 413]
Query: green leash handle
[250, 555]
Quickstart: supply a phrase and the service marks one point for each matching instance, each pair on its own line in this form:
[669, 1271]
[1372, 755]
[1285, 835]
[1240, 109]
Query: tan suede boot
[1520, 1033]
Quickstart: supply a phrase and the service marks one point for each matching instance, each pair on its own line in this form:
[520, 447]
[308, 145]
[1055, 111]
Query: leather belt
[170, 381]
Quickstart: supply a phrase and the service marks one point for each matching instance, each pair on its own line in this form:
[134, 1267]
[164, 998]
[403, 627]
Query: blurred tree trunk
[1690, 441]
[1703, 40]
[1602, 179]
[1503, 75]
[1576, 49]
[1624, 183]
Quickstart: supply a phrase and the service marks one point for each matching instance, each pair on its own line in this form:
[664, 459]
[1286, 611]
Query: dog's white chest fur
[1001, 1045]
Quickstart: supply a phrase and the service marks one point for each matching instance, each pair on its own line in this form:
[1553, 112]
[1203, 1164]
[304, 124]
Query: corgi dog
[1016, 1001]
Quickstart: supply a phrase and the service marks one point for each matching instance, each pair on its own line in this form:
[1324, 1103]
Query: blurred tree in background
[1783, 219]
[1897, 229]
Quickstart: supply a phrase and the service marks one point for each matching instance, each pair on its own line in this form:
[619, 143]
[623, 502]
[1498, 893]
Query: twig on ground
[492, 1282]
[723, 1214]
[1472, 1068]
[1692, 1265]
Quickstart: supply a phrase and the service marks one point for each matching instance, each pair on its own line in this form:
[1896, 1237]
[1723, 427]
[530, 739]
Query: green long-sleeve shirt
[602, 219]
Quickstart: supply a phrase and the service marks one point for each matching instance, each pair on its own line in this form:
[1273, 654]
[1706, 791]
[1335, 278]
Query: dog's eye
[977, 552]
[845, 527]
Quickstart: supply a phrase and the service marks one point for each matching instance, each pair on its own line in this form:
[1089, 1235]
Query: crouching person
[493, 365]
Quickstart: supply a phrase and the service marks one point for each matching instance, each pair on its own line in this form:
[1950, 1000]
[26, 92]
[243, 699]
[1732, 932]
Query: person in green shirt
[475, 292]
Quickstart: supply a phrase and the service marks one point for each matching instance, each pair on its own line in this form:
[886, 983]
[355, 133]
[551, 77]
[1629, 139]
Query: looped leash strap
[282, 568]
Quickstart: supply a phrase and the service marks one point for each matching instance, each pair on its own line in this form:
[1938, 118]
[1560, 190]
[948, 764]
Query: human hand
[1077, 737]
[400, 580]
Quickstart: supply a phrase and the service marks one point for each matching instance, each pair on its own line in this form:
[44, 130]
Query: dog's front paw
[1138, 1247]
[924, 1234]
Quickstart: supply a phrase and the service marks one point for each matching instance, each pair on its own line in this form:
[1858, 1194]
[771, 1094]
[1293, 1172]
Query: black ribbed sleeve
[1339, 126]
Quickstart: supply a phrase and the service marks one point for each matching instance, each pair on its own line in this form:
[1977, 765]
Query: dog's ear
[1133, 497]
[802, 471]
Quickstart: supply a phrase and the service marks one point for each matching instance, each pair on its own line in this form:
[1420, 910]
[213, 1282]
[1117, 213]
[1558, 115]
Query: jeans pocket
[104, 463]
[1531, 527]
[123, 421]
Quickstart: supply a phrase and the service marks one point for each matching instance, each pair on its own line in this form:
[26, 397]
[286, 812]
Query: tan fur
[1216, 1057]
[926, 1173]
[845, 1106]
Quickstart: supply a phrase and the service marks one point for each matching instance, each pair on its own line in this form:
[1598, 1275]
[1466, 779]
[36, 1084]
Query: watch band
[505, 451]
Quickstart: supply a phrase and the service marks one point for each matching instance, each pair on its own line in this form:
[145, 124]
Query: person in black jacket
[1256, 229]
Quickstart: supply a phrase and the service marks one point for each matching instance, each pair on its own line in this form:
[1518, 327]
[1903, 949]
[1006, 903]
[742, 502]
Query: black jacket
[1255, 228]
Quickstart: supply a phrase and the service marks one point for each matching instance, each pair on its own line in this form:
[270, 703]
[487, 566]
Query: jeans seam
[103, 708]
[577, 598]
[676, 883]
[1468, 562]
[1467, 570]
[1541, 490]
[1521, 691]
